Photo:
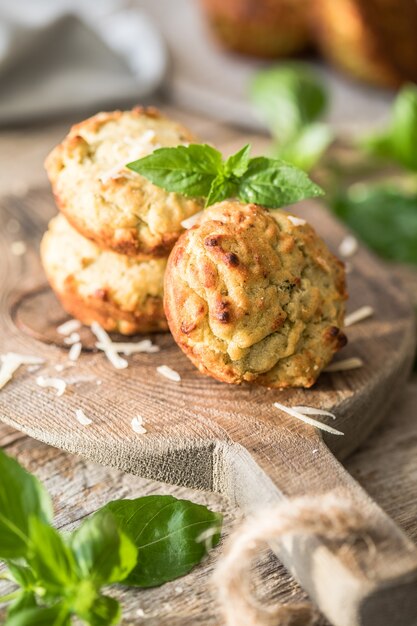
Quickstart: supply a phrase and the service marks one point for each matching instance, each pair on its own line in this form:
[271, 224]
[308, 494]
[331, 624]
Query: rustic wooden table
[386, 466]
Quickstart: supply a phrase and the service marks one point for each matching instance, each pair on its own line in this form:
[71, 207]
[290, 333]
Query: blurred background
[327, 85]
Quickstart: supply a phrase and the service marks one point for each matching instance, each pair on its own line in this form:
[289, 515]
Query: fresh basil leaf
[104, 553]
[377, 145]
[273, 183]
[21, 496]
[166, 532]
[50, 558]
[404, 127]
[189, 170]
[237, 163]
[288, 98]
[398, 142]
[105, 611]
[40, 616]
[221, 189]
[25, 600]
[385, 218]
[307, 147]
[21, 574]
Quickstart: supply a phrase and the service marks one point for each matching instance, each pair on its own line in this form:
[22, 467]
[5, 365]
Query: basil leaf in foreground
[49, 557]
[166, 532]
[21, 496]
[273, 183]
[40, 616]
[25, 600]
[189, 170]
[105, 611]
[385, 218]
[103, 553]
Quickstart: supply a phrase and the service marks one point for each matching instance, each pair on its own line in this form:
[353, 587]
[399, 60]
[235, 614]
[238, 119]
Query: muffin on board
[373, 40]
[255, 296]
[107, 203]
[265, 28]
[119, 292]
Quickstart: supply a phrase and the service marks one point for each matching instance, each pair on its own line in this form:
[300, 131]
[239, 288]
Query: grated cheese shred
[82, 418]
[18, 248]
[108, 347]
[54, 383]
[69, 327]
[307, 419]
[189, 222]
[344, 365]
[11, 362]
[75, 351]
[137, 425]
[72, 338]
[169, 373]
[128, 348]
[297, 221]
[359, 315]
[310, 410]
[349, 246]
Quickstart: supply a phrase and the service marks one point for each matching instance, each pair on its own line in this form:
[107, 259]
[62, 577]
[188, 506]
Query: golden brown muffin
[266, 28]
[115, 207]
[254, 296]
[373, 40]
[120, 292]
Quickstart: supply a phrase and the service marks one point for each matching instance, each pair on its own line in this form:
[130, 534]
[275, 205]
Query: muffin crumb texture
[120, 292]
[253, 296]
[105, 201]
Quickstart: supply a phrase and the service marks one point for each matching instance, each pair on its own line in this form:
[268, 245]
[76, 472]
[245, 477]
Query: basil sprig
[143, 542]
[198, 170]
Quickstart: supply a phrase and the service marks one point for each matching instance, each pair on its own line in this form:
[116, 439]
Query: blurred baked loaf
[120, 292]
[373, 40]
[111, 205]
[265, 28]
[255, 296]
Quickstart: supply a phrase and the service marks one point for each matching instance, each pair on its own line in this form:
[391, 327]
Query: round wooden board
[187, 419]
[208, 435]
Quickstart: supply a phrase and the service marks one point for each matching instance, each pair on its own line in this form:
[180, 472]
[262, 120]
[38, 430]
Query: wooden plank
[193, 428]
[386, 466]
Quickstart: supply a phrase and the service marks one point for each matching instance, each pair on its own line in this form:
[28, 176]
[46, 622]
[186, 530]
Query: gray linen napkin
[65, 55]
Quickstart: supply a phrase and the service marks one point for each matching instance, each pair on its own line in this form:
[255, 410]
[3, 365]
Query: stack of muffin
[105, 254]
[249, 295]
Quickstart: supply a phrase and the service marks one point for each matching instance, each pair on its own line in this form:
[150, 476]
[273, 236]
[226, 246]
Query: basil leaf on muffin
[198, 170]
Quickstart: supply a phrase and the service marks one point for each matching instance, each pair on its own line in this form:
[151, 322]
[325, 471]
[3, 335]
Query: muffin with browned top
[120, 292]
[265, 28]
[373, 40]
[114, 207]
[255, 296]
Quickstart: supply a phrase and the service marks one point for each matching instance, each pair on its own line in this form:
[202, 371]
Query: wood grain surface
[386, 466]
[251, 425]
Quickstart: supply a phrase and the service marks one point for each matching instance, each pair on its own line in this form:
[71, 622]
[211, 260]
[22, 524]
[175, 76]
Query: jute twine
[326, 516]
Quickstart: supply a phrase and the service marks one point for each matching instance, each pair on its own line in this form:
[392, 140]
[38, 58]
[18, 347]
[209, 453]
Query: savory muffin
[255, 296]
[374, 40]
[108, 203]
[121, 293]
[266, 28]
